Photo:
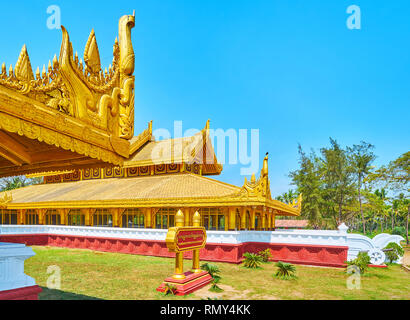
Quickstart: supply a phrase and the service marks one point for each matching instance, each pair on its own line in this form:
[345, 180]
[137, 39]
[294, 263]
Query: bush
[286, 271]
[252, 260]
[214, 271]
[265, 255]
[170, 289]
[400, 231]
[362, 261]
[395, 252]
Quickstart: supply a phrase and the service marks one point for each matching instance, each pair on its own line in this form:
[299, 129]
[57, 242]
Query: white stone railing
[12, 257]
[340, 237]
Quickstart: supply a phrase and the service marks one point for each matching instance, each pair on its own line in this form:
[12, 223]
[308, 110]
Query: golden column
[186, 215]
[253, 217]
[274, 220]
[179, 261]
[148, 216]
[195, 253]
[243, 218]
[232, 218]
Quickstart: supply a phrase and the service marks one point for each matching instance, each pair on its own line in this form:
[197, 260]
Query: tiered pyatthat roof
[196, 149]
[71, 114]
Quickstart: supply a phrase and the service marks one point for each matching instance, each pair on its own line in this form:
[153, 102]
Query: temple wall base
[318, 255]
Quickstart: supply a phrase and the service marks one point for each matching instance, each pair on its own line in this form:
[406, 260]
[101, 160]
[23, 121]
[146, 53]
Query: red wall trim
[331, 256]
[26, 293]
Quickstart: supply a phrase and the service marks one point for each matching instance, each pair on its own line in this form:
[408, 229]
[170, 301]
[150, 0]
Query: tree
[361, 157]
[307, 180]
[338, 178]
[7, 184]
[396, 176]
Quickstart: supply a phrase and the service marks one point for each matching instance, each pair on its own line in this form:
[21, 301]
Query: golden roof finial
[179, 219]
[23, 70]
[196, 220]
[265, 170]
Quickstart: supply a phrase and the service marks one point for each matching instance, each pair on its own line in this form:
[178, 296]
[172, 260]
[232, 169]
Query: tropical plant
[362, 261]
[170, 289]
[213, 271]
[285, 271]
[252, 260]
[400, 231]
[393, 252]
[265, 255]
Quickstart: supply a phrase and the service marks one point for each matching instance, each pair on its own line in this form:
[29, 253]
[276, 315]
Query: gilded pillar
[263, 220]
[232, 218]
[269, 226]
[274, 220]
[195, 254]
[88, 216]
[41, 215]
[186, 212]
[148, 218]
[179, 261]
[253, 218]
[21, 216]
[243, 218]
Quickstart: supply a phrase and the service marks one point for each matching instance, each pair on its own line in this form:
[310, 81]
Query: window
[31, 217]
[102, 218]
[8, 216]
[52, 218]
[76, 218]
[165, 218]
[212, 218]
[133, 218]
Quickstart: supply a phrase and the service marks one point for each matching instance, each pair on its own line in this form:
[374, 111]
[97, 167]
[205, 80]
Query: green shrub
[286, 271]
[252, 260]
[170, 289]
[400, 231]
[265, 255]
[395, 252]
[362, 261]
[214, 271]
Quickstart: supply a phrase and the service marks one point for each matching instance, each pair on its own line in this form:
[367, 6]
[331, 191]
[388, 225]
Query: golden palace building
[73, 123]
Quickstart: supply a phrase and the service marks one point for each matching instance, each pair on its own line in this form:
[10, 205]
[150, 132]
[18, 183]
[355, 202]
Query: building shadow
[53, 294]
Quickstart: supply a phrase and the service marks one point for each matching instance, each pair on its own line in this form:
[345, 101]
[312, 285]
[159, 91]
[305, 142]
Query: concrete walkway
[406, 258]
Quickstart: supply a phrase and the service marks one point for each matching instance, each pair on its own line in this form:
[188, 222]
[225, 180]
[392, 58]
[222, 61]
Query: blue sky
[291, 69]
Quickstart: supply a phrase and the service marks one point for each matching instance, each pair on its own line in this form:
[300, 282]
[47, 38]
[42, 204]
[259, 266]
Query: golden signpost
[182, 239]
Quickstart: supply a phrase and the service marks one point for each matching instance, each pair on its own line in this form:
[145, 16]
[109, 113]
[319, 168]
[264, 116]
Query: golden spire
[179, 219]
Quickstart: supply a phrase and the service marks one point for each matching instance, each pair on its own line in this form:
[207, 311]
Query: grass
[87, 274]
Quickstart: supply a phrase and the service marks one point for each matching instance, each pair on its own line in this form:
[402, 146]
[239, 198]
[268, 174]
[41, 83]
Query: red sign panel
[187, 239]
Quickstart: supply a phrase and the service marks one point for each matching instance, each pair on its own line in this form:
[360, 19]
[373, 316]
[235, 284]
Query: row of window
[212, 218]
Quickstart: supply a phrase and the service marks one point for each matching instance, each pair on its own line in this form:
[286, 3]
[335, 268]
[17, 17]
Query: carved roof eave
[22, 115]
[227, 201]
[74, 105]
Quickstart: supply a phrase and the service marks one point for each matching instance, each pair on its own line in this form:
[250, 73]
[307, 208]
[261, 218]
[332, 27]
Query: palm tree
[285, 270]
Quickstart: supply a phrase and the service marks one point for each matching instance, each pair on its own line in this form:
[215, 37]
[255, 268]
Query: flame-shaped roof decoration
[96, 106]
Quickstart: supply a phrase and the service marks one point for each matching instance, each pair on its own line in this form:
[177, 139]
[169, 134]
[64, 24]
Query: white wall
[340, 237]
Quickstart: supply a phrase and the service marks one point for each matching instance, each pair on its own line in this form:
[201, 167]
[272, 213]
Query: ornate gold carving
[5, 200]
[258, 188]
[101, 100]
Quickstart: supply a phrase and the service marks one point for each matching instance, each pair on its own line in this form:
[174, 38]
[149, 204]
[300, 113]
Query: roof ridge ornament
[103, 100]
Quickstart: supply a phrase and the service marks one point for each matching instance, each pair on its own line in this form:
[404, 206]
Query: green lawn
[95, 275]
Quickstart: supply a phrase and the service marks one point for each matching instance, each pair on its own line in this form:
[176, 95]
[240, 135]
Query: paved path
[406, 258]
